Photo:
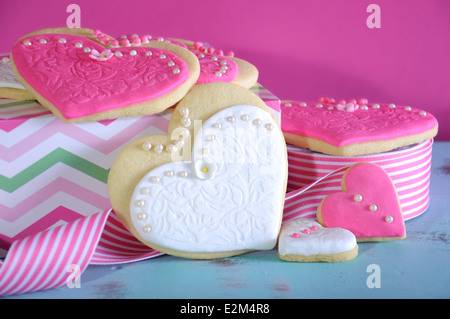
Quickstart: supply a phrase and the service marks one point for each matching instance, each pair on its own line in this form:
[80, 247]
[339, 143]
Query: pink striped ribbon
[42, 261]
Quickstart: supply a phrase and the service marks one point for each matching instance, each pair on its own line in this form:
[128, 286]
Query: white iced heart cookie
[305, 240]
[220, 197]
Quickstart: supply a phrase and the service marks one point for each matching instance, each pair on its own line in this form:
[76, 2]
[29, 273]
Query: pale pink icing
[215, 68]
[374, 185]
[80, 86]
[343, 127]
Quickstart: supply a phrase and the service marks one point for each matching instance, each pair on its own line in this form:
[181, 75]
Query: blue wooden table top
[416, 267]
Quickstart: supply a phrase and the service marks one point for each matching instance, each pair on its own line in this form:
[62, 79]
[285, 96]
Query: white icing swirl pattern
[229, 199]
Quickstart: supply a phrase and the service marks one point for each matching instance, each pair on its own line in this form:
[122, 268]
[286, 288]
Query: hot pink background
[303, 49]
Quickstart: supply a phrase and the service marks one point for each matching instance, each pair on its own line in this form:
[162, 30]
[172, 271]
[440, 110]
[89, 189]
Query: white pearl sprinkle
[201, 55]
[78, 45]
[162, 56]
[357, 198]
[62, 40]
[171, 148]
[303, 104]
[186, 121]
[392, 106]
[214, 58]
[176, 71]
[408, 108]
[184, 132]
[389, 219]
[218, 73]
[146, 146]
[373, 208]
[330, 108]
[319, 105]
[245, 117]
[210, 137]
[169, 173]
[155, 179]
[171, 63]
[87, 50]
[5, 59]
[288, 104]
[160, 39]
[206, 151]
[257, 122]
[26, 42]
[364, 107]
[223, 63]
[158, 148]
[43, 41]
[139, 203]
[145, 190]
[133, 52]
[231, 119]
[217, 126]
[118, 54]
[423, 113]
[269, 126]
[147, 229]
[148, 53]
[376, 106]
[142, 216]
[184, 111]
[183, 174]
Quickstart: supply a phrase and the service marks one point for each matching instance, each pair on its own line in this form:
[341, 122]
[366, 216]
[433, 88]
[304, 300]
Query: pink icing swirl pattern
[59, 67]
[215, 68]
[338, 127]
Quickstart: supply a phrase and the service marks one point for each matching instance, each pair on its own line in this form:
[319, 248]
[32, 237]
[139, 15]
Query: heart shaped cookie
[215, 66]
[79, 80]
[214, 186]
[355, 127]
[368, 205]
[305, 240]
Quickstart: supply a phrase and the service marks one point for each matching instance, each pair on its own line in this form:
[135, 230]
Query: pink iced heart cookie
[305, 240]
[367, 206]
[215, 65]
[78, 79]
[352, 128]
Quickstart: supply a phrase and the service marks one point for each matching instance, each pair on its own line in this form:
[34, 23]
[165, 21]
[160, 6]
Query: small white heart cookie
[305, 240]
[212, 187]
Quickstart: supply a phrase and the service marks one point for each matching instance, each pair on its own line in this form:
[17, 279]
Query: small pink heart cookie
[352, 128]
[367, 206]
[79, 79]
[305, 240]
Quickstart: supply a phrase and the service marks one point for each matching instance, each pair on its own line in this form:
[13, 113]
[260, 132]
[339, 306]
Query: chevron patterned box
[52, 172]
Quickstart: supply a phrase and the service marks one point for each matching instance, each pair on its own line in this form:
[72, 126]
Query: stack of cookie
[369, 164]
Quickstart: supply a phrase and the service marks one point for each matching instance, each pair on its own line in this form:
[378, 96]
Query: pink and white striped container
[313, 175]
